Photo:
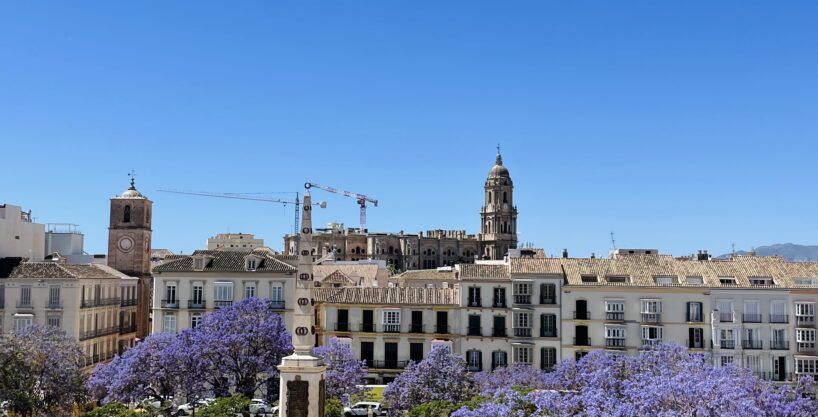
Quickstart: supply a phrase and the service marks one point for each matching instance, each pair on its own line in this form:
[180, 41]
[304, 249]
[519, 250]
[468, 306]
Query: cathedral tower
[498, 216]
[129, 247]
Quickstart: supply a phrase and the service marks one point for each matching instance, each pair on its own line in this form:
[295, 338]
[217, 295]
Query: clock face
[125, 244]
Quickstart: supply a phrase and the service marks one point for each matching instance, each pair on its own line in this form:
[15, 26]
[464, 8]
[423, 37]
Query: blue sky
[677, 125]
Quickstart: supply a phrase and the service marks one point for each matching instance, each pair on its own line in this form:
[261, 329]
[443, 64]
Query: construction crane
[252, 197]
[360, 198]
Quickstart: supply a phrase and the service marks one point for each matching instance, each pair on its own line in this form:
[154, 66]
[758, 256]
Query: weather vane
[498, 148]
[132, 176]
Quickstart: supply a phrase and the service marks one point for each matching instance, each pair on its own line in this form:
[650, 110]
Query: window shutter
[479, 360]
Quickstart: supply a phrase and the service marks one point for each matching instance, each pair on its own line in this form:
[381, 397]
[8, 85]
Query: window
[54, 296]
[589, 278]
[761, 281]
[548, 358]
[725, 308]
[652, 335]
[198, 264]
[614, 310]
[725, 360]
[416, 351]
[522, 292]
[249, 289]
[695, 280]
[778, 339]
[170, 293]
[727, 280]
[474, 359]
[499, 297]
[195, 320]
[727, 338]
[126, 215]
[522, 324]
[548, 325]
[521, 354]
[222, 294]
[663, 280]
[54, 321]
[474, 325]
[251, 264]
[695, 338]
[391, 320]
[651, 311]
[753, 363]
[22, 321]
[198, 293]
[25, 296]
[752, 338]
[474, 297]
[618, 279]
[807, 282]
[498, 358]
[804, 313]
[694, 312]
[277, 292]
[548, 294]
[615, 336]
[170, 323]
[806, 366]
[752, 312]
[805, 338]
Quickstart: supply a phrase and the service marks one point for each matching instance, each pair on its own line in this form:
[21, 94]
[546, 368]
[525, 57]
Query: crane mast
[361, 199]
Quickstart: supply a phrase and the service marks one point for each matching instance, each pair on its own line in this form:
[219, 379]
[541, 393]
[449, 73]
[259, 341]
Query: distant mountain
[788, 251]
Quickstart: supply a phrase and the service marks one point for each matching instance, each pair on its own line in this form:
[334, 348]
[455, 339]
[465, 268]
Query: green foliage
[227, 406]
[437, 408]
[113, 410]
[333, 408]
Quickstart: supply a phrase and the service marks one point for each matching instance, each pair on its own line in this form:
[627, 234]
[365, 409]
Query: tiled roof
[226, 261]
[387, 296]
[536, 266]
[426, 274]
[338, 277]
[369, 272]
[46, 270]
[486, 271]
[642, 270]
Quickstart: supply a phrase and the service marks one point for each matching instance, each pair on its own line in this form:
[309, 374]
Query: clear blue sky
[678, 125]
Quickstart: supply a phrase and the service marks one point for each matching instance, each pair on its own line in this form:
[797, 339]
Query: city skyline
[689, 138]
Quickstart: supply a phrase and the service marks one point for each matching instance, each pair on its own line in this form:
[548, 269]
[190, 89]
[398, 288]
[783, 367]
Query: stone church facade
[434, 248]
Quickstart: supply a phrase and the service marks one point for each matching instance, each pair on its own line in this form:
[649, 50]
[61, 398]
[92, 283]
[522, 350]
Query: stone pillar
[302, 387]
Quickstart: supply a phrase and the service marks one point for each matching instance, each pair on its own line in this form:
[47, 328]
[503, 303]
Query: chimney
[702, 256]
[565, 253]
[593, 255]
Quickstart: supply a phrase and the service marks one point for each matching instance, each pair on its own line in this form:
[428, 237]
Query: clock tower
[129, 247]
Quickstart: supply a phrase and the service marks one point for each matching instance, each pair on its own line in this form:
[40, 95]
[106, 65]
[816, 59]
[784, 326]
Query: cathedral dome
[498, 170]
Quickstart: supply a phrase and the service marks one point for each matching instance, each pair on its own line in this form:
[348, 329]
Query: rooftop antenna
[613, 241]
[733, 245]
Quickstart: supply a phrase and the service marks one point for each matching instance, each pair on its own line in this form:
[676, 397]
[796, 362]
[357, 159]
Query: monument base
[302, 388]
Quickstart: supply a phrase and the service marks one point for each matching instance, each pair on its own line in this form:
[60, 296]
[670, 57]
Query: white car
[187, 409]
[259, 406]
[362, 409]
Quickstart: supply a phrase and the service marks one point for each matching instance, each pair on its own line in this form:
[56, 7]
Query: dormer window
[251, 264]
[761, 281]
[727, 280]
[589, 278]
[695, 280]
[663, 280]
[618, 279]
[198, 263]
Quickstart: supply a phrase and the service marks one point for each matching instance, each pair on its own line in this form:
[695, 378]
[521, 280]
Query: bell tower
[498, 216]
[129, 247]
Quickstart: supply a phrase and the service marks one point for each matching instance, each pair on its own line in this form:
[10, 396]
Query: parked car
[259, 406]
[187, 409]
[362, 409]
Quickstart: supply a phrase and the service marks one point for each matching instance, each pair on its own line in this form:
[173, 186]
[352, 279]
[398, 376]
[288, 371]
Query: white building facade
[19, 235]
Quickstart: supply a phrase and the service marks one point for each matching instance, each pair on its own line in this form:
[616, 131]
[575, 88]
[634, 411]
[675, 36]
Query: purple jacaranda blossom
[441, 375]
[524, 376]
[241, 346]
[40, 371]
[345, 375]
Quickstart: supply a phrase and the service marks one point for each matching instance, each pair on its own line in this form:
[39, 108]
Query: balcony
[474, 331]
[751, 344]
[614, 342]
[613, 316]
[522, 332]
[341, 327]
[222, 304]
[726, 317]
[388, 364]
[694, 318]
[442, 328]
[475, 302]
[111, 301]
[25, 305]
[128, 328]
[650, 342]
[498, 332]
[499, 303]
[694, 344]
[391, 328]
[780, 345]
[582, 315]
[416, 328]
[806, 347]
[548, 300]
[651, 317]
[277, 304]
[169, 304]
[545, 332]
[522, 299]
[89, 303]
[804, 321]
[779, 318]
[727, 344]
[582, 341]
[53, 306]
[197, 304]
[367, 327]
[127, 302]
[751, 318]
[90, 334]
[775, 376]
[474, 367]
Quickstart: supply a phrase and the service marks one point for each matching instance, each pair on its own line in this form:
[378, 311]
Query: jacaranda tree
[440, 376]
[663, 381]
[40, 371]
[345, 375]
[489, 383]
[236, 348]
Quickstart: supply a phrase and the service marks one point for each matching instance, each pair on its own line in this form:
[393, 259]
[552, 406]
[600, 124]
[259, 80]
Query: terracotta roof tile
[226, 261]
[387, 296]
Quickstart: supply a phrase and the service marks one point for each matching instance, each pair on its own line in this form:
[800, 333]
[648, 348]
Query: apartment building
[756, 312]
[187, 287]
[388, 327]
[92, 303]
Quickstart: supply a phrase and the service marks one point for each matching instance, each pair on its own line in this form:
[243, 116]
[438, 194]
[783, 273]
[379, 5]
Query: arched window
[505, 197]
[391, 250]
[126, 217]
[489, 196]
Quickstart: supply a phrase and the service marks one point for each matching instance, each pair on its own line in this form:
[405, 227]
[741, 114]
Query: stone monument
[302, 385]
